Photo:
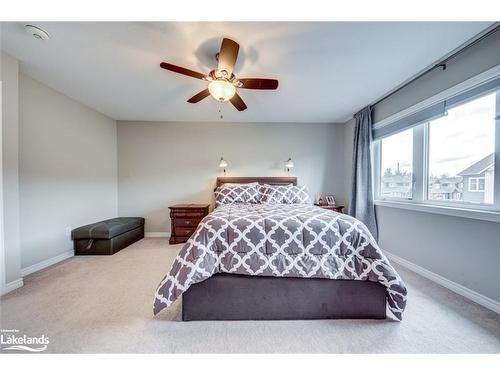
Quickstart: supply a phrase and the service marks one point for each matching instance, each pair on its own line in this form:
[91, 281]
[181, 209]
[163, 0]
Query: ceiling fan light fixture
[221, 90]
[222, 81]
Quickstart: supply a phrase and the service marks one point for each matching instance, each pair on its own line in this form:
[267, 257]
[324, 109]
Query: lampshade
[221, 90]
[222, 163]
[289, 163]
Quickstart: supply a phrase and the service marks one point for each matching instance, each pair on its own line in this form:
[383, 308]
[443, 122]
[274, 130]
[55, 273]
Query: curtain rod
[441, 63]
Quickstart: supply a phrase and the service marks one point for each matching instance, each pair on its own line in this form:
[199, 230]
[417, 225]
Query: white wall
[160, 164]
[68, 169]
[10, 166]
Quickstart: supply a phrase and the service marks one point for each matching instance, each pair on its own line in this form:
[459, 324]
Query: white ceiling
[327, 71]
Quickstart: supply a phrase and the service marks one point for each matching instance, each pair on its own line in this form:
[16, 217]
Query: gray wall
[479, 58]
[68, 169]
[10, 165]
[462, 250]
[160, 164]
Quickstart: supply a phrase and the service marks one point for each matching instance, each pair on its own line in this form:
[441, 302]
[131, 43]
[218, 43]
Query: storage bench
[107, 237]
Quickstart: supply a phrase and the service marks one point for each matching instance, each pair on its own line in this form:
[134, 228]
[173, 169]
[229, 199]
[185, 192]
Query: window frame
[478, 184]
[483, 181]
[472, 179]
[420, 181]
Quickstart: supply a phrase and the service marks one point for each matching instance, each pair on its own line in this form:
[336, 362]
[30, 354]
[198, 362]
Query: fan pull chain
[220, 111]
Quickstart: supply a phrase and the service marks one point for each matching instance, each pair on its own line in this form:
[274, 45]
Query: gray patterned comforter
[294, 240]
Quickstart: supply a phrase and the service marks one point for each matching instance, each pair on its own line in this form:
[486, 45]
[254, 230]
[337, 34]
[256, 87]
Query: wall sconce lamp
[223, 165]
[289, 165]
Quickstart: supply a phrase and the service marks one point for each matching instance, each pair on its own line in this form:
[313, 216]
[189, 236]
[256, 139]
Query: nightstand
[333, 208]
[185, 218]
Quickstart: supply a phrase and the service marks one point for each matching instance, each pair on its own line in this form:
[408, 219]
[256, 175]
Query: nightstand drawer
[187, 214]
[187, 222]
[184, 231]
[185, 218]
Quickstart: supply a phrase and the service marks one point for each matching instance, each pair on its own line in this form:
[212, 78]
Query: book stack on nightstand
[185, 218]
[333, 208]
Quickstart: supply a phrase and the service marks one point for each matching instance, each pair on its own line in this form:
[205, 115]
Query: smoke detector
[36, 32]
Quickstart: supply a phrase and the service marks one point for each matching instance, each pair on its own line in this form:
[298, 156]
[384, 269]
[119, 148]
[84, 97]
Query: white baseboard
[46, 263]
[157, 234]
[9, 287]
[455, 287]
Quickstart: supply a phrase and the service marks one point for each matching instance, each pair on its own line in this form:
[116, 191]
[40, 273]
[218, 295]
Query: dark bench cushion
[107, 229]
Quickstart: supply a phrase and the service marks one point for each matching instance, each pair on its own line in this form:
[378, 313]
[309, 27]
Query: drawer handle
[188, 221]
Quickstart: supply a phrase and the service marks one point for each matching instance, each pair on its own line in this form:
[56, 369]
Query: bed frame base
[240, 297]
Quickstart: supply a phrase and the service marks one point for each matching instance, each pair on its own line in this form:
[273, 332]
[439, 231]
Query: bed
[258, 259]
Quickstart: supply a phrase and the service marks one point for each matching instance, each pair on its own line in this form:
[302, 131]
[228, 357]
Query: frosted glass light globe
[221, 90]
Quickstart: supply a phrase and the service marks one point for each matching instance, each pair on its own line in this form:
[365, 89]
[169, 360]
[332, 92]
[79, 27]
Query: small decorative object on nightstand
[185, 218]
[330, 201]
[330, 207]
[319, 202]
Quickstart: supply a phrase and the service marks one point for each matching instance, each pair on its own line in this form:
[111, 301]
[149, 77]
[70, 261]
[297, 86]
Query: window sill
[468, 213]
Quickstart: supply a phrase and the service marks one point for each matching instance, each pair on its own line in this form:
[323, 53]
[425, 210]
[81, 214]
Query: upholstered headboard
[260, 180]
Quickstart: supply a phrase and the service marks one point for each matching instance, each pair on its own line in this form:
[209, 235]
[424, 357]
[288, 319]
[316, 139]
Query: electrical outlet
[68, 231]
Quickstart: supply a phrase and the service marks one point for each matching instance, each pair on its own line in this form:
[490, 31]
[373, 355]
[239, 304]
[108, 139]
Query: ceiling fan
[222, 82]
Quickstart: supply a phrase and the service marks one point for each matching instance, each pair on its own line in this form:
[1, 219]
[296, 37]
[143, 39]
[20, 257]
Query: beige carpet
[104, 304]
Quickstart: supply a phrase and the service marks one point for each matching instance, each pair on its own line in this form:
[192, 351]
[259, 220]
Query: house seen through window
[397, 165]
[461, 153]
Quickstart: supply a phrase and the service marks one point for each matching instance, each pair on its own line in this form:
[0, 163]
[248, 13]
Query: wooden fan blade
[259, 83]
[238, 102]
[228, 55]
[200, 96]
[181, 70]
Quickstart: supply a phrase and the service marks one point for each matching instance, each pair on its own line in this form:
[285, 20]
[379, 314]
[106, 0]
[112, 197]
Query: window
[462, 148]
[444, 155]
[397, 168]
[473, 184]
[477, 184]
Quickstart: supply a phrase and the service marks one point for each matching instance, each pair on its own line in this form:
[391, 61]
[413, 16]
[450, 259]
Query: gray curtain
[361, 204]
